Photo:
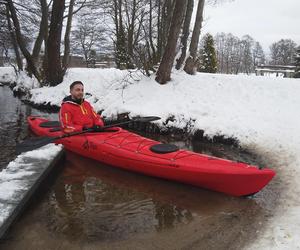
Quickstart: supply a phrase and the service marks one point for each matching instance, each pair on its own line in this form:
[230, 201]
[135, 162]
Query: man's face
[77, 92]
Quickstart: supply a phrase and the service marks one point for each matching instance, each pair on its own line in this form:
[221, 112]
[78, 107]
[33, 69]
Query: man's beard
[77, 100]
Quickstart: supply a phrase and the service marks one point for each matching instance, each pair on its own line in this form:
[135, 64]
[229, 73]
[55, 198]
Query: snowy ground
[261, 112]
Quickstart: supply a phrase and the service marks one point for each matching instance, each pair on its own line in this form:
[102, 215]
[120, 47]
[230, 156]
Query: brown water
[89, 205]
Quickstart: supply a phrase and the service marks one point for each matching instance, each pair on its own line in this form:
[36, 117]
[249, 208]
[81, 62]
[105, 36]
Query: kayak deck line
[152, 142]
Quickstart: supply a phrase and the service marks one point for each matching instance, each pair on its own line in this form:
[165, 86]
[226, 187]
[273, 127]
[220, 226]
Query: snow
[15, 178]
[261, 112]
[94, 81]
[7, 75]
[22, 80]
[275, 70]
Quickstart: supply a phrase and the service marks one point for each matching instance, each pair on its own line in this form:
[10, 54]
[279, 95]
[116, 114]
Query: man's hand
[97, 128]
[84, 128]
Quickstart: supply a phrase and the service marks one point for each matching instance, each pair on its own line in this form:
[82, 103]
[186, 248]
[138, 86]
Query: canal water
[89, 205]
[13, 126]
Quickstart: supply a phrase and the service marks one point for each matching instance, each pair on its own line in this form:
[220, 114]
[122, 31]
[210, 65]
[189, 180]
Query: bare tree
[247, 56]
[65, 60]
[134, 12]
[31, 19]
[237, 55]
[54, 74]
[88, 35]
[190, 63]
[165, 67]
[185, 33]
[5, 35]
[282, 52]
[165, 17]
[43, 29]
[297, 63]
[8, 38]
[20, 40]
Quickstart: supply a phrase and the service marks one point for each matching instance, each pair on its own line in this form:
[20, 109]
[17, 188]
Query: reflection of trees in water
[67, 200]
[87, 207]
[168, 215]
[12, 124]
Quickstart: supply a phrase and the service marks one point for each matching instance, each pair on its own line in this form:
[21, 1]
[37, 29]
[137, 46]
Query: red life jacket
[74, 115]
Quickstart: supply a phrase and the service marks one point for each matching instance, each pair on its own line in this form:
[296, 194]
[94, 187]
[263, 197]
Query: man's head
[76, 90]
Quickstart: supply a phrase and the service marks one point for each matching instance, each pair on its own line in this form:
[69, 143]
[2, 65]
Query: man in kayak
[76, 114]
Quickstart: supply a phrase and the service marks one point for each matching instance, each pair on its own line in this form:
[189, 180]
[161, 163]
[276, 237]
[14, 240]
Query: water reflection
[92, 201]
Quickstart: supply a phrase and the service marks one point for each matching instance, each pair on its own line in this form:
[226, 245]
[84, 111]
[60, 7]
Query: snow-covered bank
[19, 177]
[253, 109]
[7, 75]
[261, 112]
[20, 83]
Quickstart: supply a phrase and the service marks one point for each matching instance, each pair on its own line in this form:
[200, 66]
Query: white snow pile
[7, 75]
[21, 80]
[98, 83]
[24, 83]
[15, 178]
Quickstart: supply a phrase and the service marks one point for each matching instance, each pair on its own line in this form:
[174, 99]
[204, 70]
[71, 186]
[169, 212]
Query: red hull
[130, 151]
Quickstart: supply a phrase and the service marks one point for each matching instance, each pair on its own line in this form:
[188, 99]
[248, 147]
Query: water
[89, 205]
[13, 126]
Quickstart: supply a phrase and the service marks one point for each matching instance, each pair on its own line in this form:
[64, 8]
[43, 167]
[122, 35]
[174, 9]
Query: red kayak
[121, 148]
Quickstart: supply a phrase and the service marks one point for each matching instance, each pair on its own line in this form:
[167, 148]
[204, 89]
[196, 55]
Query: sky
[267, 21]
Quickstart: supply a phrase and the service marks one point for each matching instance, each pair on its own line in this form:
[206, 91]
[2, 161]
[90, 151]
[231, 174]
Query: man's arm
[66, 122]
[96, 118]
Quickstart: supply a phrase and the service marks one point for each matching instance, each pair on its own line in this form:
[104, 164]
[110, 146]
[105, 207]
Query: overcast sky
[267, 21]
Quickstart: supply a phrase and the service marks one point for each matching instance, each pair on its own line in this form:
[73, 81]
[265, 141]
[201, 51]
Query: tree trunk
[54, 74]
[167, 13]
[165, 67]
[30, 64]
[159, 33]
[45, 12]
[65, 61]
[115, 16]
[185, 33]
[153, 56]
[190, 63]
[131, 25]
[14, 41]
[1, 57]
[42, 30]
[121, 50]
